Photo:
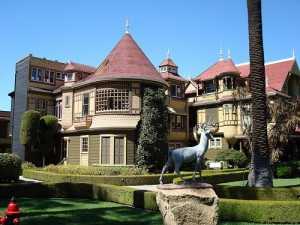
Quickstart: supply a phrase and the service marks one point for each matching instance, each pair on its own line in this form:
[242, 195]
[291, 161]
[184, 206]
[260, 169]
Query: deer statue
[190, 154]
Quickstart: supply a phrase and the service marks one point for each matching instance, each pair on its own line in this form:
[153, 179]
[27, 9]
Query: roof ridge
[268, 63]
[82, 64]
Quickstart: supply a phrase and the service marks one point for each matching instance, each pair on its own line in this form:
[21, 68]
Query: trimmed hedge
[114, 180]
[216, 178]
[229, 209]
[247, 193]
[260, 211]
[119, 194]
[10, 167]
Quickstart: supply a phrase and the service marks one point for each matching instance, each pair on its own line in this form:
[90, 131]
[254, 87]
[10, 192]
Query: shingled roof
[72, 66]
[126, 61]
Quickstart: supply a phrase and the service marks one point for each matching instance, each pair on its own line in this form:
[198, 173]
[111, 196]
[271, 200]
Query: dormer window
[229, 83]
[176, 90]
[172, 70]
[69, 76]
[209, 86]
[163, 69]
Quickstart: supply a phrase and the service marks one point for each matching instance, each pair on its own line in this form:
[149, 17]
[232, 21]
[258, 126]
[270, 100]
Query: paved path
[140, 187]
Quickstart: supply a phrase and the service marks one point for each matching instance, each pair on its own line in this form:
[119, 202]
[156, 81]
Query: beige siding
[94, 152]
[130, 149]
[74, 150]
[67, 110]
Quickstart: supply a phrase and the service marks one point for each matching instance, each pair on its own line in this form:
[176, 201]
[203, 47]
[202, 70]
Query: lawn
[50, 211]
[279, 182]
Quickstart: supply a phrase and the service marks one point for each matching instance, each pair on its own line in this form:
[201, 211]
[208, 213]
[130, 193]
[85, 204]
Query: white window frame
[84, 145]
[69, 76]
[233, 108]
[163, 69]
[49, 76]
[178, 90]
[226, 109]
[58, 109]
[38, 74]
[112, 100]
[60, 75]
[213, 143]
[41, 106]
[67, 101]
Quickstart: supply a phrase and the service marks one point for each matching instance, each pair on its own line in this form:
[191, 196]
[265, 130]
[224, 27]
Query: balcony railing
[82, 122]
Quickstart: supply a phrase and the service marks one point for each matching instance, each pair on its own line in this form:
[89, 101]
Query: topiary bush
[10, 167]
[29, 127]
[232, 157]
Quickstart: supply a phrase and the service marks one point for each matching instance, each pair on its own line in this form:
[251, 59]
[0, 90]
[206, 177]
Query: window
[60, 75]
[210, 86]
[58, 109]
[105, 150]
[49, 76]
[41, 106]
[67, 101]
[113, 150]
[112, 100]
[177, 122]
[163, 69]
[229, 83]
[226, 109]
[215, 143]
[172, 70]
[176, 90]
[36, 74]
[119, 150]
[85, 104]
[84, 144]
[233, 108]
[211, 114]
[69, 76]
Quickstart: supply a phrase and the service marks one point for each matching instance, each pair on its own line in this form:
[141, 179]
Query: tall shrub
[232, 157]
[10, 167]
[29, 127]
[152, 144]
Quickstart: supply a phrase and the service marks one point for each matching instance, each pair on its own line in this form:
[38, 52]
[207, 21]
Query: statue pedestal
[188, 206]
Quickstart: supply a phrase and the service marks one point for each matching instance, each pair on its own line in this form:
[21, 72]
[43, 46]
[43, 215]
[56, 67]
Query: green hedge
[216, 178]
[10, 167]
[229, 209]
[114, 180]
[119, 194]
[260, 211]
[247, 193]
[29, 127]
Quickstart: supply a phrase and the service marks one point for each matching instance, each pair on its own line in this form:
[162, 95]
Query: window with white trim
[176, 90]
[209, 86]
[67, 101]
[215, 143]
[58, 109]
[85, 104]
[48, 76]
[233, 108]
[163, 69]
[36, 74]
[69, 76]
[60, 76]
[84, 144]
[226, 109]
[112, 100]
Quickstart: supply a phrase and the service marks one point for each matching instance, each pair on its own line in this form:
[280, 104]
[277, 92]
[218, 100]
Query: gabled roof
[174, 76]
[219, 68]
[72, 66]
[168, 62]
[125, 61]
[276, 72]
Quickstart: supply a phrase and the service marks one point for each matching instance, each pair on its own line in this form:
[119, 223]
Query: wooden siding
[20, 105]
[74, 150]
[94, 146]
[94, 141]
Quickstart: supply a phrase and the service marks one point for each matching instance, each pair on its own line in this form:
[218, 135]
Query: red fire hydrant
[12, 214]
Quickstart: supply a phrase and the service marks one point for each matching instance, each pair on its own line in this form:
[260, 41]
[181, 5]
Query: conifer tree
[152, 144]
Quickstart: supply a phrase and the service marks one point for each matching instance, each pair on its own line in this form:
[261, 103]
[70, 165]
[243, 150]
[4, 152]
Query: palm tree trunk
[260, 173]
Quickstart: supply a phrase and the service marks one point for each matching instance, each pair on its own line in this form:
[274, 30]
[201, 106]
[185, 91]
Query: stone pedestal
[188, 206]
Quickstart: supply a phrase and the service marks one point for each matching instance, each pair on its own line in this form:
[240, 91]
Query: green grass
[58, 211]
[279, 182]
[54, 211]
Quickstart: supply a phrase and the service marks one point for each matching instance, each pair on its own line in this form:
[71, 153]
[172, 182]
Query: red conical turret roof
[126, 61]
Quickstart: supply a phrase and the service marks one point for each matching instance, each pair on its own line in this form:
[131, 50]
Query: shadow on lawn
[81, 211]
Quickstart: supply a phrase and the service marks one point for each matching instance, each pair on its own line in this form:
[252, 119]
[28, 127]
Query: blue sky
[193, 30]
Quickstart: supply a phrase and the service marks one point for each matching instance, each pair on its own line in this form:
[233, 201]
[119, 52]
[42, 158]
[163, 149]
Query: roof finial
[228, 53]
[293, 54]
[168, 54]
[127, 26]
[221, 53]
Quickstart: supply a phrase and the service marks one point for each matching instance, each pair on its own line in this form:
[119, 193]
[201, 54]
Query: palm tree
[260, 174]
